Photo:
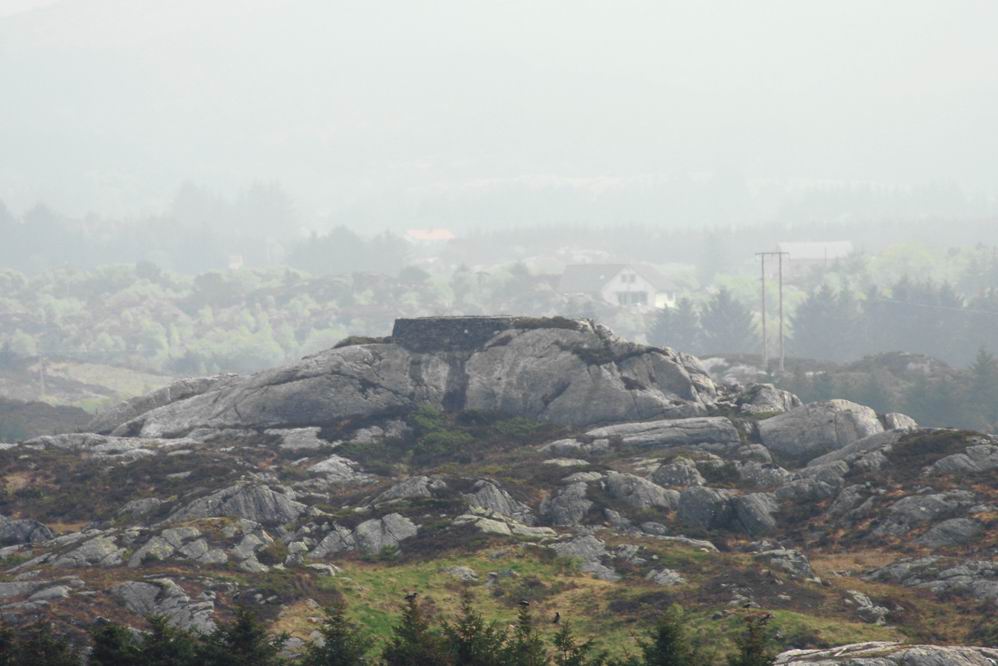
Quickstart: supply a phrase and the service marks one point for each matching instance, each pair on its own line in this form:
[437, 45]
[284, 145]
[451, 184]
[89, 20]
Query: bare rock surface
[558, 370]
[809, 431]
[890, 654]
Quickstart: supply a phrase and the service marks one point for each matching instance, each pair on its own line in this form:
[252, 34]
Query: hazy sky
[380, 110]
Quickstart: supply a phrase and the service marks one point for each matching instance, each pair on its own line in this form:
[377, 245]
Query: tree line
[416, 640]
[830, 324]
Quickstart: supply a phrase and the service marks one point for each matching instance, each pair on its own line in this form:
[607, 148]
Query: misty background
[470, 114]
[200, 187]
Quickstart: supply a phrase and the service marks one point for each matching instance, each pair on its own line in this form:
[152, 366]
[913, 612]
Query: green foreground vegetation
[467, 639]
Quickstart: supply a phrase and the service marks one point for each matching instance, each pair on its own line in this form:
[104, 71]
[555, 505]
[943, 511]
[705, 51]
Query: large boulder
[817, 428]
[164, 598]
[568, 506]
[24, 530]
[490, 497]
[890, 654]
[754, 513]
[557, 370]
[640, 493]
[252, 501]
[766, 399]
[680, 472]
[705, 508]
[371, 536]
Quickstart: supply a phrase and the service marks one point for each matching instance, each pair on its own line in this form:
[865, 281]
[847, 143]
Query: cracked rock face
[562, 371]
[371, 536]
[817, 428]
[163, 597]
[252, 501]
[890, 654]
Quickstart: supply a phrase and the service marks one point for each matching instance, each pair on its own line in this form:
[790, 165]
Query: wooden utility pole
[780, 257]
[765, 341]
[765, 338]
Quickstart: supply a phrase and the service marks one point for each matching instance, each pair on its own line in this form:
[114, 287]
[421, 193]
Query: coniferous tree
[164, 645]
[342, 642]
[569, 652]
[414, 643]
[114, 645]
[984, 388]
[727, 325]
[241, 642]
[754, 644]
[8, 640]
[670, 644]
[677, 327]
[525, 647]
[472, 641]
[38, 645]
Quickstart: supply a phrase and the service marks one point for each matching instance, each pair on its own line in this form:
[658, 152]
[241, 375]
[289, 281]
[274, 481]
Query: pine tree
[471, 641]
[413, 642]
[525, 648]
[164, 645]
[727, 325]
[569, 652]
[342, 645]
[114, 645]
[243, 641]
[984, 388]
[753, 644]
[8, 643]
[677, 327]
[38, 645]
[670, 645]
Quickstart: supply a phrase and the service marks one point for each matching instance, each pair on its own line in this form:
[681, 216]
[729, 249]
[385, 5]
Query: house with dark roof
[631, 285]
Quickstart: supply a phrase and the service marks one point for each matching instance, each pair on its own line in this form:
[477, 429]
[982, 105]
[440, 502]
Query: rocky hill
[540, 459]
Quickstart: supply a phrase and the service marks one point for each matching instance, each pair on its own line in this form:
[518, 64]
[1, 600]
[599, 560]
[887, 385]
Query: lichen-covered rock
[766, 399]
[665, 577]
[568, 506]
[788, 560]
[414, 487]
[890, 654]
[252, 501]
[24, 530]
[640, 493]
[489, 496]
[979, 458]
[711, 432]
[806, 432]
[899, 421]
[916, 510]
[952, 532]
[101, 551]
[371, 536]
[164, 598]
[679, 472]
[706, 508]
[588, 551]
[337, 469]
[754, 513]
[116, 416]
[977, 578]
[865, 608]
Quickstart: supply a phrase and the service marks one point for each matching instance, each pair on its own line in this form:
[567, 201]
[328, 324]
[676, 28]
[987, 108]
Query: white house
[631, 285]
